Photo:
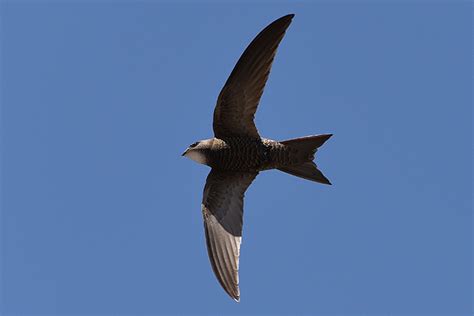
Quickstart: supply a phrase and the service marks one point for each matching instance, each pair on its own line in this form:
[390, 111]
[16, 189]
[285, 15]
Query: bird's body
[246, 154]
[237, 153]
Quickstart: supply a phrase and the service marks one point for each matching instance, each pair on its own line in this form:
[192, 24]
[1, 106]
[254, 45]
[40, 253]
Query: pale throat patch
[197, 156]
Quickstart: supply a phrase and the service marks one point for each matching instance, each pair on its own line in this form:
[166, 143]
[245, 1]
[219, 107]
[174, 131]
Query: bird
[237, 153]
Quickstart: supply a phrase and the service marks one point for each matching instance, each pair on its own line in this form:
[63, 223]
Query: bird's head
[198, 150]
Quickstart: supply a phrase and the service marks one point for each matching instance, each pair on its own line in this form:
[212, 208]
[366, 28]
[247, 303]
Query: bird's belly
[247, 156]
[238, 160]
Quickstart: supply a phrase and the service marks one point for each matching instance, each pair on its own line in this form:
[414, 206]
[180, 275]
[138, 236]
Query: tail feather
[305, 148]
[308, 171]
[307, 144]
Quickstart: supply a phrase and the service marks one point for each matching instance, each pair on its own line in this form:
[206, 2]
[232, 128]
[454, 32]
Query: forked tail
[304, 167]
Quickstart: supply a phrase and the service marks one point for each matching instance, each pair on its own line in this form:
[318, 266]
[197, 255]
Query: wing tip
[287, 18]
[233, 293]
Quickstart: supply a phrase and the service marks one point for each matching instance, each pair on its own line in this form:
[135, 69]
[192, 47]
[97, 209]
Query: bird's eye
[193, 145]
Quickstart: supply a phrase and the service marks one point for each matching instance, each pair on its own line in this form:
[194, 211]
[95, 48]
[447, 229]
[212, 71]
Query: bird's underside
[253, 155]
[237, 154]
[249, 154]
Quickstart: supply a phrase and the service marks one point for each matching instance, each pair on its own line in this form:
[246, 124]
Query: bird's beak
[184, 152]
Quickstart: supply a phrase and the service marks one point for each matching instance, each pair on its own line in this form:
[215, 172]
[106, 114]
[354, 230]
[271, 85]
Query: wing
[238, 99]
[222, 209]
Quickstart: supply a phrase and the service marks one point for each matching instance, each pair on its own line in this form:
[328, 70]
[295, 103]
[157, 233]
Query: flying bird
[237, 154]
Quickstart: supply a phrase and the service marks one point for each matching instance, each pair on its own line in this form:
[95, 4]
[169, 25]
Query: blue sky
[101, 215]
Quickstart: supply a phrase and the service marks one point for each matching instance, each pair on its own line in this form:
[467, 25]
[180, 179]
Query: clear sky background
[101, 215]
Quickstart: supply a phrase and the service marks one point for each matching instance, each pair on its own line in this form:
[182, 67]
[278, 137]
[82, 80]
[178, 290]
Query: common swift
[237, 154]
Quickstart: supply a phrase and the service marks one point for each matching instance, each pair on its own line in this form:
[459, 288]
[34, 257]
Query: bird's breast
[239, 154]
[245, 154]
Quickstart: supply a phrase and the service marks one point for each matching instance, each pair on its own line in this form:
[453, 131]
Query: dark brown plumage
[237, 154]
